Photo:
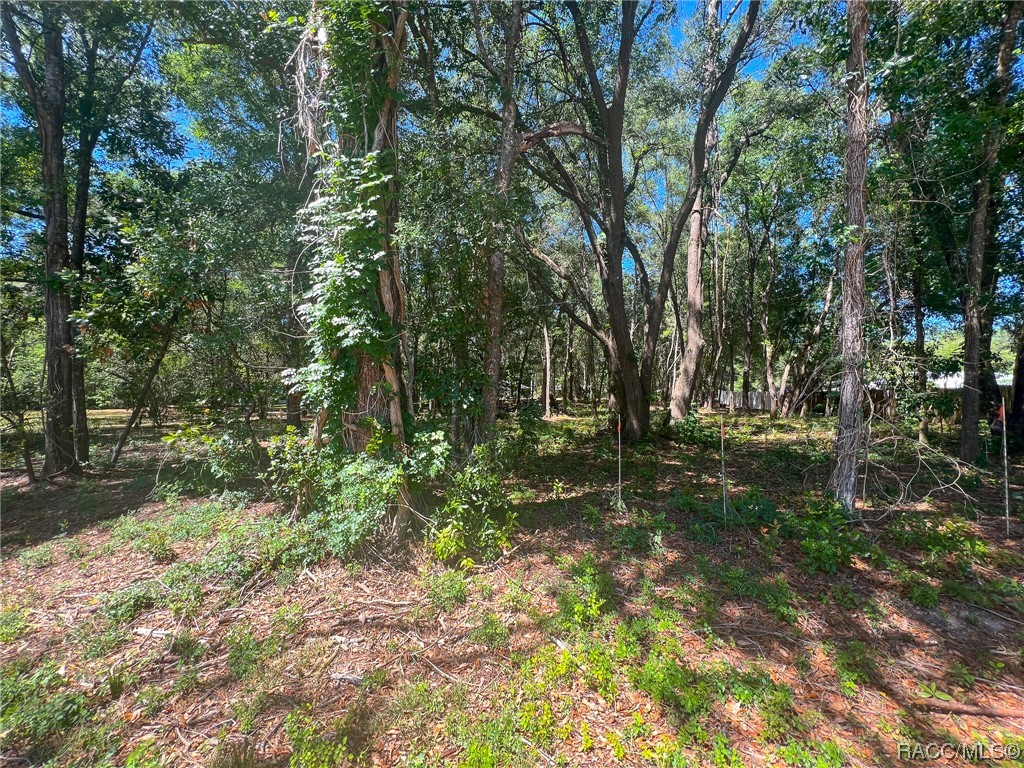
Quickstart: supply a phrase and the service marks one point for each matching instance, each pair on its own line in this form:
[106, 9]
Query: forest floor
[656, 632]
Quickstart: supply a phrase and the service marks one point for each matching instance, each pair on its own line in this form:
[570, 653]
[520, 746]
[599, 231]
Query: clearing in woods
[145, 623]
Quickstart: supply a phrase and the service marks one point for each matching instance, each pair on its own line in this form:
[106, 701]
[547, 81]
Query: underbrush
[827, 540]
[38, 706]
[347, 497]
[614, 641]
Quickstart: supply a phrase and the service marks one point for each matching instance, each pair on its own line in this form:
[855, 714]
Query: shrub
[156, 543]
[674, 685]
[355, 499]
[311, 746]
[812, 754]
[689, 431]
[491, 632]
[518, 438]
[36, 557]
[475, 519]
[13, 623]
[125, 605]
[295, 464]
[245, 652]
[185, 646]
[152, 699]
[37, 706]
[350, 496]
[446, 590]
[775, 594]
[853, 667]
[645, 536]
[826, 539]
[922, 594]
[229, 455]
[588, 596]
[947, 545]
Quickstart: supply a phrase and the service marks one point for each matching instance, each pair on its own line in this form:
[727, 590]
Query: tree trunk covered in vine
[380, 386]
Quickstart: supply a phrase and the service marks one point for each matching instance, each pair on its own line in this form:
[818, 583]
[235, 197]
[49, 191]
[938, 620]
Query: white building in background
[956, 381]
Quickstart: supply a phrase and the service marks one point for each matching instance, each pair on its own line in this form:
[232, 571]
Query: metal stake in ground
[620, 462]
[1006, 466]
[725, 490]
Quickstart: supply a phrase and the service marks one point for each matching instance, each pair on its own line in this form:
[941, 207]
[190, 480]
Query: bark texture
[693, 349]
[851, 334]
[49, 103]
[508, 150]
[979, 234]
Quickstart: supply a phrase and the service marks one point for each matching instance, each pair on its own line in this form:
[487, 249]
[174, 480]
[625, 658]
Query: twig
[956, 708]
[998, 615]
[538, 750]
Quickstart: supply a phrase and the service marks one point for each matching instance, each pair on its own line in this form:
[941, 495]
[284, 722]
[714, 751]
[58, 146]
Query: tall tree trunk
[851, 339]
[507, 151]
[732, 378]
[522, 367]
[293, 355]
[686, 381]
[83, 178]
[670, 364]
[567, 377]
[988, 387]
[970, 407]
[49, 100]
[546, 384]
[748, 334]
[721, 282]
[1015, 418]
[592, 386]
[920, 357]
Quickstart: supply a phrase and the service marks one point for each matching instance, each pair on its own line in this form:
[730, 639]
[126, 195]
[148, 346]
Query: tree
[508, 150]
[114, 37]
[979, 238]
[950, 141]
[231, 70]
[851, 338]
[94, 86]
[358, 310]
[46, 92]
[598, 184]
